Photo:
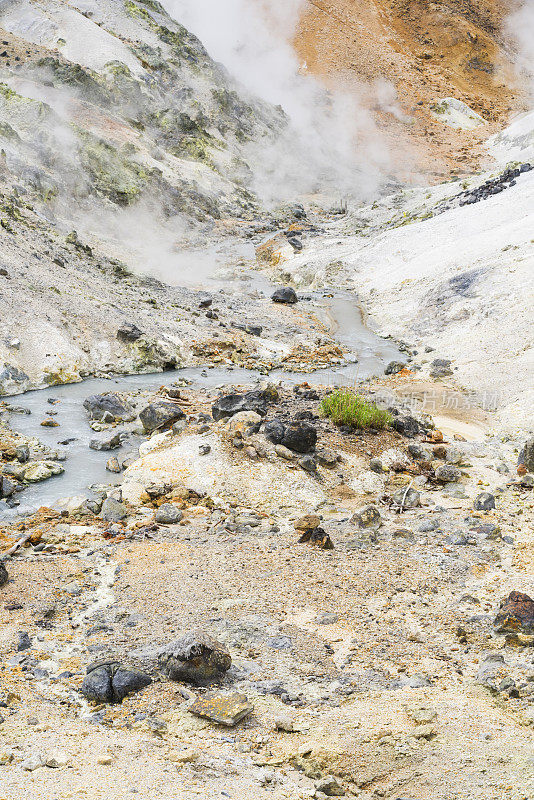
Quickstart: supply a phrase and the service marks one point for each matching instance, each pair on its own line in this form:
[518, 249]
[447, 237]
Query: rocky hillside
[421, 52]
[116, 102]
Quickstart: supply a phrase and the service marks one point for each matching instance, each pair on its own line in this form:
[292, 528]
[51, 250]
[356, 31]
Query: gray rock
[227, 405]
[107, 440]
[112, 510]
[24, 642]
[225, 709]
[326, 458]
[375, 465]
[127, 681]
[394, 366]
[107, 407]
[329, 786]
[448, 474]
[308, 463]
[274, 431]
[195, 658]
[168, 514]
[159, 414]
[526, 457]
[96, 685]
[13, 380]
[440, 368]
[368, 518]
[485, 501]
[112, 465]
[22, 453]
[407, 498]
[8, 486]
[4, 577]
[128, 332]
[285, 294]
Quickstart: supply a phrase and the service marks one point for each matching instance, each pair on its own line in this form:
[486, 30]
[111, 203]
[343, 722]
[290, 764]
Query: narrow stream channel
[85, 467]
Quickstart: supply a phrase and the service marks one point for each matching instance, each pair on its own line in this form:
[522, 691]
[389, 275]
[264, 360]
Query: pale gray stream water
[84, 467]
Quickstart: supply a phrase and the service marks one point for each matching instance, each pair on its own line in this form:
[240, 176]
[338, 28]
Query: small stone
[375, 465]
[108, 440]
[307, 463]
[96, 685]
[204, 449]
[112, 465]
[33, 762]
[228, 405]
[285, 453]
[49, 423]
[283, 722]
[226, 709]
[24, 642]
[329, 786]
[244, 423]
[326, 458]
[484, 502]
[168, 514]
[129, 332]
[107, 406]
[4, 577]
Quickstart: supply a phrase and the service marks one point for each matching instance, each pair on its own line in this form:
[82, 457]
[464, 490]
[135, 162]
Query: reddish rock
[516, 614]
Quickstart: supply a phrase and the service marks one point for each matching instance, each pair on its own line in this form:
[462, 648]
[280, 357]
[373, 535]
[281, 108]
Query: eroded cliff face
[423, 52]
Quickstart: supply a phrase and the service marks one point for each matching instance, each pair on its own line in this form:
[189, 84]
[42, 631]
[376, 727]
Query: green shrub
[344, 407]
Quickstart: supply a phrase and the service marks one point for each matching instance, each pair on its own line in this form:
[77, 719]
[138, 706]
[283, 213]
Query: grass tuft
[344, 407]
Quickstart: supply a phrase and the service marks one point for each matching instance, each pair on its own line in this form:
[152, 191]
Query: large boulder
[107, 407]
[107, 440]
[111, 683]
[161, 413]
[230, 404]
[301, 437]
[516, 614]
[129, 332]
[42, 470]
[13, 380]
[195, 658]
[112, 510]
[285, 294]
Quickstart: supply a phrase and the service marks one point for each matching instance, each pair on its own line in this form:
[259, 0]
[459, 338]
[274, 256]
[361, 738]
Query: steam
[332, 143]
[521, 28]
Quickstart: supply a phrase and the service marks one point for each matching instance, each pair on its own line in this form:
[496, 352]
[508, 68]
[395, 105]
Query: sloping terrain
[421, 52]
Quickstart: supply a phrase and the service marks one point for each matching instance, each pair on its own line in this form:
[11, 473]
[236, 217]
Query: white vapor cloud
[333, 142]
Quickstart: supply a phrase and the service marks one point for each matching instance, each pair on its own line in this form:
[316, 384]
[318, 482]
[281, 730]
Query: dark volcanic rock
[229, 404]
[107, 407]
[195, 658]
[159, 414]
[440, 368]
[285, 294]
[274, 431]
[4, 577]
[300, 437]
[516, 614]
[407, 425]
[111, 683]
[128, 332]
[127, 681]
[96, 685]
[8, 486]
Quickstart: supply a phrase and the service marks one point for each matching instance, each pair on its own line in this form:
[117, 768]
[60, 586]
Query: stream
[84, 467]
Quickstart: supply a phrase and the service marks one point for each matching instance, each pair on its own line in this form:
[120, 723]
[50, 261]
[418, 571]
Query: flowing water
[84, 467]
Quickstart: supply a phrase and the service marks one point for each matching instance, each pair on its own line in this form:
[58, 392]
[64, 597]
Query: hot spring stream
[84, 467]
